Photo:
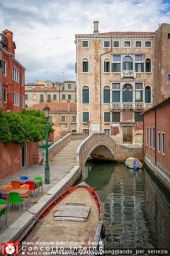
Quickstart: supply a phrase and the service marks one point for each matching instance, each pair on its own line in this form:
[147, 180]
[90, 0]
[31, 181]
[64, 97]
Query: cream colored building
[114, 82]
[47, 91]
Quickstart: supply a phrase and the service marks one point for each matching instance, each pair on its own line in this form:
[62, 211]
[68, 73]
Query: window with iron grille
[107, 117]
[115, 117]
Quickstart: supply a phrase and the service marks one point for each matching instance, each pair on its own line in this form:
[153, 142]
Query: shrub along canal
[137, 211]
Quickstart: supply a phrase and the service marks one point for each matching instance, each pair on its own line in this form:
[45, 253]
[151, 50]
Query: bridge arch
[98, 146]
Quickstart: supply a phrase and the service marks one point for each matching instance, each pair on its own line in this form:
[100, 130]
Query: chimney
[96, 24]
[10, 43]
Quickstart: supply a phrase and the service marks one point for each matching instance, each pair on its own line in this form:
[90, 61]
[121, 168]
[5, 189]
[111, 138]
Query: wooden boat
[133, 163]
[74, 221]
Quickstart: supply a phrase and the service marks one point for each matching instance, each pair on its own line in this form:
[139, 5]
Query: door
[23, 155]
[127, 134]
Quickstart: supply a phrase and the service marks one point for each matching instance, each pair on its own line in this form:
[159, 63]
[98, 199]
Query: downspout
[155, 137]
[100, 108]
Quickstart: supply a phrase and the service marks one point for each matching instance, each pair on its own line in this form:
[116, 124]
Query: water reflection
[137, 214]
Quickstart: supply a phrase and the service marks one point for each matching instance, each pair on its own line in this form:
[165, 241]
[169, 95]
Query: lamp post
[46, 111]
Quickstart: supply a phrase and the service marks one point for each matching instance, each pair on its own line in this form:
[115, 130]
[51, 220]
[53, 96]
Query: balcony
[128, 74]
[139, 106]
[128, 106]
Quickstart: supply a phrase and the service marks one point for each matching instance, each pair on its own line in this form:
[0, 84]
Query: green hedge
[21, 127]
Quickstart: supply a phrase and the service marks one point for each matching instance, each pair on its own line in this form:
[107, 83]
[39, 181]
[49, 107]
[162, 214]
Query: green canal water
[136, 209]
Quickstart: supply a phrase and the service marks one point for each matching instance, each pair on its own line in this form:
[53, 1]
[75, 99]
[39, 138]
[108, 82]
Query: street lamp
[46, 111]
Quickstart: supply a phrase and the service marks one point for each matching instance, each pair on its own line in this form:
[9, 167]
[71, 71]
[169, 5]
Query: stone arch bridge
[76, 149]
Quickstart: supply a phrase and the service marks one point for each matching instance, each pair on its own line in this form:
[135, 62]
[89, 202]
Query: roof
[131, 33]
[159, 105]
[56, 106]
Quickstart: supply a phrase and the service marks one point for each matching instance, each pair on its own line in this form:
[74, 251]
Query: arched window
[106, 95]
[85, 94]
[127, 93]
[127, 63]
[85, 65]
[147, 65]
[147, 94]
[106, 65]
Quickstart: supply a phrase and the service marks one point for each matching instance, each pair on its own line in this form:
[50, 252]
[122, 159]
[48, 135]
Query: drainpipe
[155, 137]
[100, 108]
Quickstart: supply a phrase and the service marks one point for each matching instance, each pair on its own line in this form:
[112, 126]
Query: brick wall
[11, 157]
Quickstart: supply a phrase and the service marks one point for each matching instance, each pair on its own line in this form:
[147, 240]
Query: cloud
[44, 30]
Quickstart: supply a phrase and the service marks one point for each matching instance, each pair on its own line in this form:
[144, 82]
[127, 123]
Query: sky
[44, 30]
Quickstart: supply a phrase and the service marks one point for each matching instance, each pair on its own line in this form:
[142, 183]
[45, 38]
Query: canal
[136, 209]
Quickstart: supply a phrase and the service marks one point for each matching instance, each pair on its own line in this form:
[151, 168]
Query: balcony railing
[128, 105]
[128, 74]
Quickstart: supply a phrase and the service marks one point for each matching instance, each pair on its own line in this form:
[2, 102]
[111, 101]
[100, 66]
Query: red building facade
[12, 75]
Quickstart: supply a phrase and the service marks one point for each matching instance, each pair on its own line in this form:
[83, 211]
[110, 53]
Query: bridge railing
[92, 141]
[61, 143]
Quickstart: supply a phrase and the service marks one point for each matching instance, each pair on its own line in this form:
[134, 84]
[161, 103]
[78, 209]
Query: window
[138, 117]
[138, 92]
[127, 93]
[5, 95]
[4, 68]
[26, 96]
[85, 65]
[69, 86]
[168, 77]
[127, 44]
[16, 99]
[107, 131]
[115, 117]
[168, 35]
[63, 97]
[85, 43]
[73, 119]
[106, 65]
[69, 96]
[159, 142]
[150, 137]
[85, 95]
[147, 94]
[106, 44]
[54, 97]
[127, 63]
[147, 65]
[106, 98]
[147, 136]
[147, 44]
[63, 119]
[163, 143]
[139, 65]
[41, 97]
[138, 44]
[85, 117]
[115, 92]
[116, 63]
[49, 97]
[107, 117]
[116, 44]
[153, 138]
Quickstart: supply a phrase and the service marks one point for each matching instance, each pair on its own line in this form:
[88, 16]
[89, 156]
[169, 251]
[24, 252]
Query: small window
[49, 97]
[127, 44]
[5, 95]
[74, 119]
[26, 96]
[63, 119]
[116, 58]
[85, 65]
[150, 137]
[147, 44]
[85, 43]
[115, 86]
[63, 97]
[85, 117]
[139, 57]
[54, 97]
[106, 65]
[115, 67]
[138, 44]
[138, 117]
[107, 131]
[153, 138]
[4, 68]
[148, 65]
[85, 94]
[116, 44]
[106, 96]
[69, 97]
[168, 35]
[147, 94]
[69, 86]
[41, 97]
[159, 142]
[115, 117]
[147, 136]
[107, 117]
[163, 143]
[106, 44]
[168, 77]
